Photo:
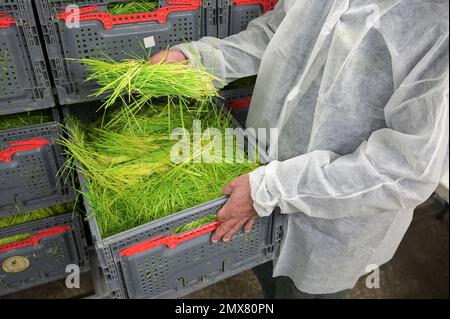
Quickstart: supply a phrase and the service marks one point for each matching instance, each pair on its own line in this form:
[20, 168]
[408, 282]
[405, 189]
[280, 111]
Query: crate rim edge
[53, 122]
[29, 223]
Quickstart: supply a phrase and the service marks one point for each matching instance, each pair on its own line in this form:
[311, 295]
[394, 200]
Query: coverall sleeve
[239, 55]
[397, 168]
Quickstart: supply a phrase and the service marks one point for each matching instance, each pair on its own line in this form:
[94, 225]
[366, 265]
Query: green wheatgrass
[24, 119]
[126, 155]
[195, 224]
[130, 177]
[15, 238]
[136, 82]
[23, 218]
[133, 6]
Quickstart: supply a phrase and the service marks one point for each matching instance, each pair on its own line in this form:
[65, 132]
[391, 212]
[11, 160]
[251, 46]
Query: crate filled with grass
[152, 184]
[24, 79]
[31, 163]
[41, 246]
[235, 15]
[75, 29]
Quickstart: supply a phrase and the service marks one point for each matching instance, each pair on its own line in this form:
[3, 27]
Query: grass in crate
[130, 176]
[23, 218]
[24, 119]
[133, 6]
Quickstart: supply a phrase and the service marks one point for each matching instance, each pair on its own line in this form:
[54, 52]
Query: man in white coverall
[358, 90]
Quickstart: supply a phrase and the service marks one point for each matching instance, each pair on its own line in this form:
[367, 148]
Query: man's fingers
[223, 214]
[233, 230]
[249, 224]
[222, 230]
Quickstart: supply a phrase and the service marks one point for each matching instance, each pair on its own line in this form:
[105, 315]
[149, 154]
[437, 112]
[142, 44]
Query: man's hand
[238, 211]
[171, 56]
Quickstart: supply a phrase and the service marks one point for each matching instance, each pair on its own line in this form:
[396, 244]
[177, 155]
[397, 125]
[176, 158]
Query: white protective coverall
[359, 92]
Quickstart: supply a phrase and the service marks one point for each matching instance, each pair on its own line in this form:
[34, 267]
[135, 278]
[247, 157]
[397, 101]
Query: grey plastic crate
[192, 265]
[171, 273]
[92, 39]
[24, 80]
[233, 17]
[34, 178]
[26, 264]
[238, 94]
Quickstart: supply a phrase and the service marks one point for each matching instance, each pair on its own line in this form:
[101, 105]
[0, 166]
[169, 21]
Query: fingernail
[225, 240]
[214, 241]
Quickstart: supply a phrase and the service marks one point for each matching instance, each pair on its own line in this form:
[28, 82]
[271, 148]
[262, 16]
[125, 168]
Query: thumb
[228, 189]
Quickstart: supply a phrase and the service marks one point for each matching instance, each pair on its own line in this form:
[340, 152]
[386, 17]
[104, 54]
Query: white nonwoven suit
[359, 93]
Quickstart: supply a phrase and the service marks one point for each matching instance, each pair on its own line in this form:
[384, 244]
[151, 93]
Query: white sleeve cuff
[264, 201]
[188, 53]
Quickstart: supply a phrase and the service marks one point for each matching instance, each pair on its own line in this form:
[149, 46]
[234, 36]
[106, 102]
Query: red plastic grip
[267, 5]
[35, 239]
[7, 155]
[170, 241]
[6, 22]
[109, 20]
[240, 104]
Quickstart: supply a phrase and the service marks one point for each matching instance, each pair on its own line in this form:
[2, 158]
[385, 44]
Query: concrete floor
[420, 269]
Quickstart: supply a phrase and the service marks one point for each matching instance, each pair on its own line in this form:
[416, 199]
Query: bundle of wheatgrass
[130, 174]
[136, 82]
[132, 6]
[23, 218]
[24, 119]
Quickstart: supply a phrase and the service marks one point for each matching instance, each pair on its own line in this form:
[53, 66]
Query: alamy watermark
[213, 145]
[73, 277]
[73, 17]
[373, 19]
[373, 277]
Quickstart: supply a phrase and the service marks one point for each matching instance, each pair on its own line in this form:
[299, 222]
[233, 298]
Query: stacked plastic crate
[39, 250]
[85, 28]
[33, 249]
[24, 80]
[234, 15]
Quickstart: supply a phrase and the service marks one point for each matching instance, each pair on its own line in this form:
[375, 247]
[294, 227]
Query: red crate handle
[170, 241]
[35, 239]
[240, 104]
[109, 20]
[267, 5]
[6, 22]
[7, 155]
